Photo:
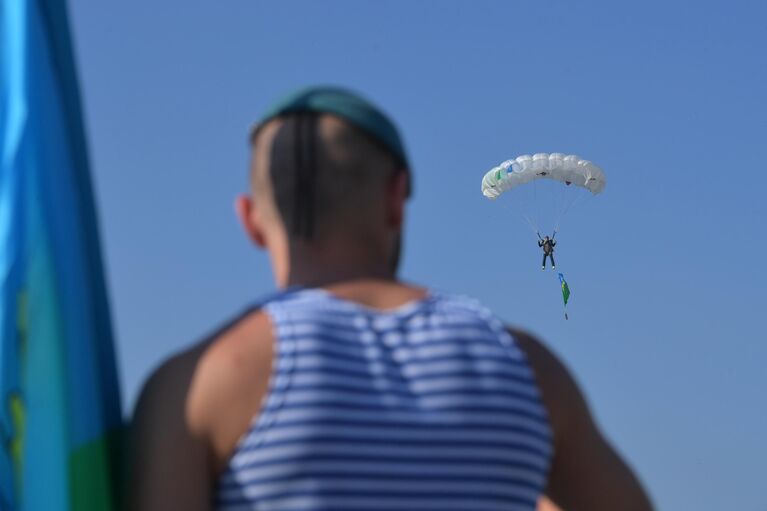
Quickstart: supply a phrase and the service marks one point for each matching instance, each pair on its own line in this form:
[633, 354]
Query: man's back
[429, 405]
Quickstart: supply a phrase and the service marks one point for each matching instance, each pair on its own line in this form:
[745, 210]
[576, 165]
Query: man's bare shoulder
[177, 371]
[169, 392]
[586, 472]
[558, 388]
[229, 382]
[168, 437]
[230, 365]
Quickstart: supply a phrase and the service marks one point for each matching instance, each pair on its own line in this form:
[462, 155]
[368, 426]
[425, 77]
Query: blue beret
[344, 104]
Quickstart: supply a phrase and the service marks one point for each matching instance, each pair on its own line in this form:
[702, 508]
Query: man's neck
[324, 275]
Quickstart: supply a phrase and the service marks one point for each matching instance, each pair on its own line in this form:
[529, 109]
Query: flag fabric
[60, 411]
[565, 288]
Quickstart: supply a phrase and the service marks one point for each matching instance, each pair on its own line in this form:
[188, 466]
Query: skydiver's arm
[586, 473]
[169, 462]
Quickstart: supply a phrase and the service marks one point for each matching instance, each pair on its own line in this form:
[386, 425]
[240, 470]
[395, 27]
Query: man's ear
[249, 220]
[396, 197]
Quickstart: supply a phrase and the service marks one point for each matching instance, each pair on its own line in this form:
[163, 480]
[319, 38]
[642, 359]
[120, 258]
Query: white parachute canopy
[567, 169]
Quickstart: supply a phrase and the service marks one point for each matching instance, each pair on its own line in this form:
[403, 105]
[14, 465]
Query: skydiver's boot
[553, 264]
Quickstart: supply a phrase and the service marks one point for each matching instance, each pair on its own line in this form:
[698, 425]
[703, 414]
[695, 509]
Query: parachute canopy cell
[567, 169]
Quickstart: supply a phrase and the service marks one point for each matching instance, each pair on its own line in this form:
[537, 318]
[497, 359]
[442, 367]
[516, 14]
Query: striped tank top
[430, 406]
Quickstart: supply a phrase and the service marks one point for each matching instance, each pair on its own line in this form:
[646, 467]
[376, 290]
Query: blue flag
[59, 399]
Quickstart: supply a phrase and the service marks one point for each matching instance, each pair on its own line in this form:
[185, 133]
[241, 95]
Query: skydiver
[548, 250]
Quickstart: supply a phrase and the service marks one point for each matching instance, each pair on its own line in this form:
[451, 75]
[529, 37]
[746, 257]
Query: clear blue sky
[666, 332]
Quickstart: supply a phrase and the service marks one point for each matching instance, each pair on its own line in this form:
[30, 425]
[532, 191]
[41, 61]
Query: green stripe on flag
[92, 487]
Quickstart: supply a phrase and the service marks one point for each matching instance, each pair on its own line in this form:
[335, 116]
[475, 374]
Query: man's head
[329, 181]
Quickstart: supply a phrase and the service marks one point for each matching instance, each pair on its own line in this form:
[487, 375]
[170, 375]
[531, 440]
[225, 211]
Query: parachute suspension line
[555, 203]
[535, 202]
[517, 212]
[568, 205]
[532, 225]
[527, 210]
[562, 207]
[570, 195]
[530, 222]
[558, 207]
[578, 197]
[565, 193]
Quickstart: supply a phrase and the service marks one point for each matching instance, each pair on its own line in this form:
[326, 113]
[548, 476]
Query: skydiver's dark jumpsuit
[548, 250]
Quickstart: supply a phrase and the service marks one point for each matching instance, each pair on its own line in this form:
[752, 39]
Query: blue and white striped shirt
[430, 406]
